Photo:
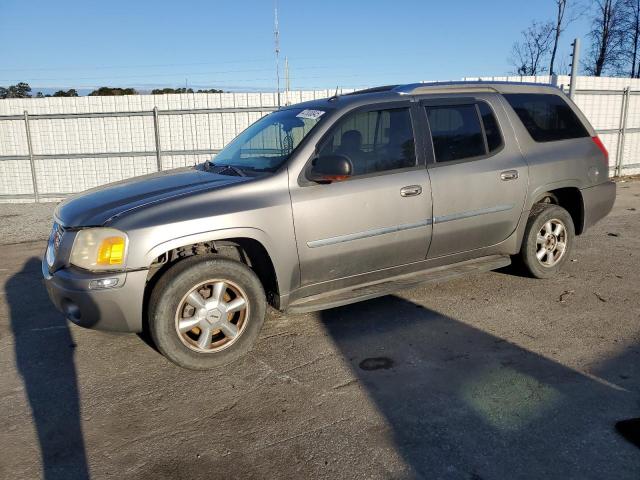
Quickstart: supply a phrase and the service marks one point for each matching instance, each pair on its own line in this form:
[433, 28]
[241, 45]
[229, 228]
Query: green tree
[164, 91]
[112, 91]
[210, 90]
[19, 90]
[68, 93]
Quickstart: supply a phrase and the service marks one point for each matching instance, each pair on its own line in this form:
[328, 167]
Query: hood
[96, 206]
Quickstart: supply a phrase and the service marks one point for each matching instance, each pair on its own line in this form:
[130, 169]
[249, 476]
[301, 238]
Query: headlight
[99, 249]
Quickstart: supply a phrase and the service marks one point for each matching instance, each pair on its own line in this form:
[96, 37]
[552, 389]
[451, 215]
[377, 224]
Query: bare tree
[561, 11]
[563, 65]
[631, 35]
[533, 49]
[605, 37]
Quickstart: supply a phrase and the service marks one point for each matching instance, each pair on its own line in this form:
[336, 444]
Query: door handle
[411, 191]
[509, 175]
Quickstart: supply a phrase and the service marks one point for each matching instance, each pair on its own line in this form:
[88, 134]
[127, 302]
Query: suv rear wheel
[206, 312]
[548, 240]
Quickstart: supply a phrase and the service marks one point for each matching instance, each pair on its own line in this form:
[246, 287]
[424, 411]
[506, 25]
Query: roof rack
[384, 88]
[463, 86]
[432, 87]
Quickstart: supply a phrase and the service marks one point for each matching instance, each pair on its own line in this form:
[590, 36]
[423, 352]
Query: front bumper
[116, 309]
[598, 202]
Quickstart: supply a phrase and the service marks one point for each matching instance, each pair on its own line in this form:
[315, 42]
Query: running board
[387, 286]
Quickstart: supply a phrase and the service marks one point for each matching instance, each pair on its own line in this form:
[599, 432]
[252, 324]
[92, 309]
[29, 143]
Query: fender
[287, 270]
[536, 194]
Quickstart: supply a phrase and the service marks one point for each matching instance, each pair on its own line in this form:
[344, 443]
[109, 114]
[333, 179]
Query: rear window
[546, 117]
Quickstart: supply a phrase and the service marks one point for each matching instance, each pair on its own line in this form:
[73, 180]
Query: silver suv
[327, 203]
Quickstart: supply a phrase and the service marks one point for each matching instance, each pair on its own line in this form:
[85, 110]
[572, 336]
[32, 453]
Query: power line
[108, 67]
[164, 74]
[160, 65]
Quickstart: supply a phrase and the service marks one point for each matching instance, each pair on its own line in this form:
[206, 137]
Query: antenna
[276, 37]
[335, 96]
[287, 80]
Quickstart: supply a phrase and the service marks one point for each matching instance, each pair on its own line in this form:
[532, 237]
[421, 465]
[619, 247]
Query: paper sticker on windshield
[311, 114]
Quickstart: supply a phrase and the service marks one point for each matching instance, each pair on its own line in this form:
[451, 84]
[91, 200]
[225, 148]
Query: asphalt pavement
[491, 376]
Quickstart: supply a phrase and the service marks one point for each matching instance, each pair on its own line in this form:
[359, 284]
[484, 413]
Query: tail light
[602, 148]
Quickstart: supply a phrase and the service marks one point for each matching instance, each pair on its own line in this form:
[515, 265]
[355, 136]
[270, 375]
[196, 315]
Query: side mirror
[330, 168]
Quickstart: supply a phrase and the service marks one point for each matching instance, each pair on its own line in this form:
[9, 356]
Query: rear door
[381, 216]
[478, 175]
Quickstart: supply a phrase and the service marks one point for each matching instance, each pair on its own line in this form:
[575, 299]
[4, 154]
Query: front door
[378, 218]
[479, 177]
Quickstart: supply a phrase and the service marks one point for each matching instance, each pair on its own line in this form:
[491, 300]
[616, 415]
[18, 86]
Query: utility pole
[575, 63]
[276, 35]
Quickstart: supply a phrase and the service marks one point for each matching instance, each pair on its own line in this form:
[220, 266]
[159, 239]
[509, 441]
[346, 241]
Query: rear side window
[546, 117]
[491, 130]
[456, 132]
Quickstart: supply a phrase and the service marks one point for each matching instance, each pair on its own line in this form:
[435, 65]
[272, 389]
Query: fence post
[575, 63]
[623, 131]
[156, 127]
[34, 180]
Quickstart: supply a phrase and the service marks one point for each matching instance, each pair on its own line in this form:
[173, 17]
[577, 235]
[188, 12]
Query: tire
[541, 216]
[172, 306]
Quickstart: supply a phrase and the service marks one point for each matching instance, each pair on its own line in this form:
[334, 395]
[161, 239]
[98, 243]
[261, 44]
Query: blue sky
[229, 44]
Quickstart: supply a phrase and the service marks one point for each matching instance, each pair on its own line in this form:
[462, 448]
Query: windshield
[269, 142]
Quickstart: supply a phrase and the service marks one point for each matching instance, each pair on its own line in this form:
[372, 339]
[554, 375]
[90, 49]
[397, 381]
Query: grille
[55, 238]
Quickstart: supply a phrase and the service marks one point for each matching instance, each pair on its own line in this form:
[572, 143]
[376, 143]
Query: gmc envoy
[327, 203]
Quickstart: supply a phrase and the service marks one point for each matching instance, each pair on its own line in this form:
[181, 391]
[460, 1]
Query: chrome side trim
[369, 233]
[399, 228]
[471, 213]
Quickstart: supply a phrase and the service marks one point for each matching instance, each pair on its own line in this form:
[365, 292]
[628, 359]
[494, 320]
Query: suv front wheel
[206, 312]
[548, 240]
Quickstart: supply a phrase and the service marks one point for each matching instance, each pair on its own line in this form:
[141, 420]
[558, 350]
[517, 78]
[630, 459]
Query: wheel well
[570, 199]
[245, 250]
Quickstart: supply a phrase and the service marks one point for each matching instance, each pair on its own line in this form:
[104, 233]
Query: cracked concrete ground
[487, 377]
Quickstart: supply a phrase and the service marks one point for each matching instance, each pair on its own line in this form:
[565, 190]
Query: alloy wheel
[551, 243]
[212, 316]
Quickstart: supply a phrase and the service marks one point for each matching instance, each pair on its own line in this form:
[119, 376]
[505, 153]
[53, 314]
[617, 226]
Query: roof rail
[433, 87]
[383, 88]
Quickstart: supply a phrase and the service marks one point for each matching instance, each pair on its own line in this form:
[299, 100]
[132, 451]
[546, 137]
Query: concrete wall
[208, 131]
[119, 134]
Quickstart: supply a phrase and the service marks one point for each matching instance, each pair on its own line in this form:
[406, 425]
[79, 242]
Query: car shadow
[463, 403]
[44, 354]
[515, 269]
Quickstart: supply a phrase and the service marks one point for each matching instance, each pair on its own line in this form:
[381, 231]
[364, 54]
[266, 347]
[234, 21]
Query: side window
[456, 132]
[374, 141]
[547, 117]
[491, 130]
